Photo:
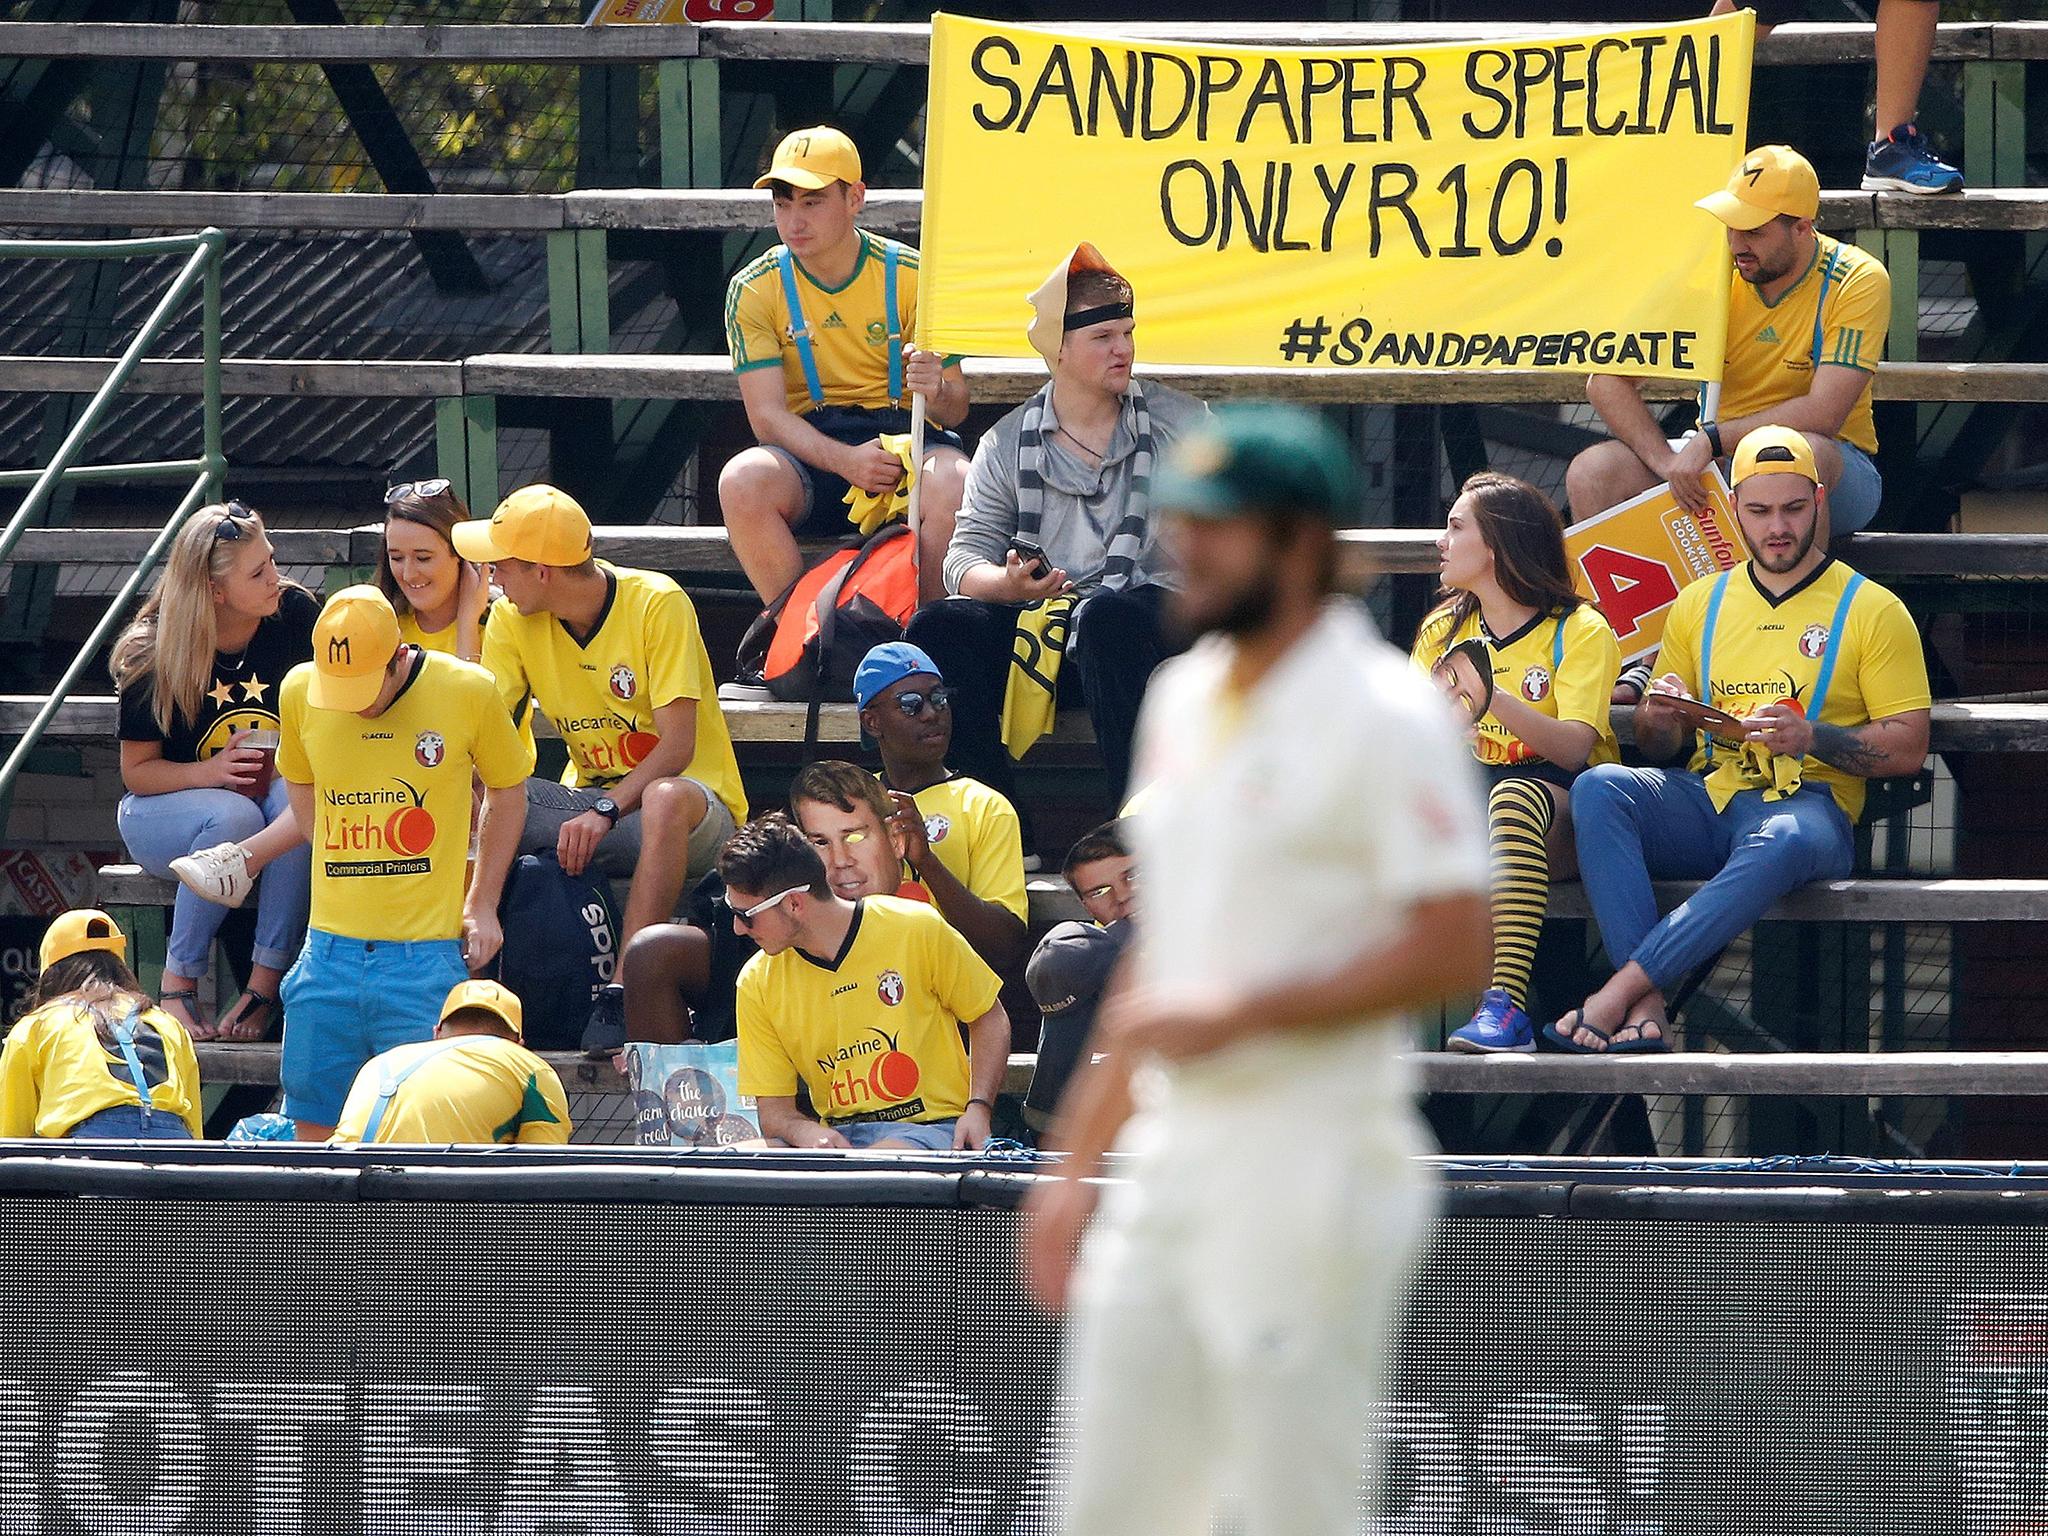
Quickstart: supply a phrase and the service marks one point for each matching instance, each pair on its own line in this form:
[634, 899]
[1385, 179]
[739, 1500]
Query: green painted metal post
[466, 448]
[209, 367]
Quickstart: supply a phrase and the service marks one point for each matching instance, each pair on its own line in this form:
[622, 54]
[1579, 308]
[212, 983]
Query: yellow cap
[492, 998]
[812, 158]
[1771, 180]
[352, 645]
[79, 932]
[536, 523]
[1773, 451]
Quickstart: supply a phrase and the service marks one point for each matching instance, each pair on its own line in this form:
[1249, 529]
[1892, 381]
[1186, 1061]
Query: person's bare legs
[666, 969]
[938, 504]
[669, 812]
[1905, 41]
[1605, 475]
[761, 500]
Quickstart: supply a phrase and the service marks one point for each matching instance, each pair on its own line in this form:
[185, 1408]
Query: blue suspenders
[124, 1036]
[390, 1082]
[1827, 657]
[800, 328]
[1557, 648]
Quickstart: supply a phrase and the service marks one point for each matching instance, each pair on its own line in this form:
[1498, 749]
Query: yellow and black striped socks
[1518, 817]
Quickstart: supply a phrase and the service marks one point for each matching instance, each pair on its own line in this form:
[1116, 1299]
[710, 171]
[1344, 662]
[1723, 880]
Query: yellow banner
[1522, 204]
[1634, 559]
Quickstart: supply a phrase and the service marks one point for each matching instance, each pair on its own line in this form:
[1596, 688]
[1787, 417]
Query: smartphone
[1037, 565]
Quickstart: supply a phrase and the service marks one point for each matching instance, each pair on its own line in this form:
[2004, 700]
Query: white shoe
[744, 693]
[219, 874]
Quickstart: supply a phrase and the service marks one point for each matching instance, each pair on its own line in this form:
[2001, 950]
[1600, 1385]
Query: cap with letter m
[1772, 180]
[1773, 451]
[352, 645]
[812, 158]
[536, 523]
[500, 1001]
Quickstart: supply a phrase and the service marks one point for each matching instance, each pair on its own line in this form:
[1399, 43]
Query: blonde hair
[440, 513]
[175, 636]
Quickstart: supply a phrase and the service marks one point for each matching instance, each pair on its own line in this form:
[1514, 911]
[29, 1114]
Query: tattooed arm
[1881, 749]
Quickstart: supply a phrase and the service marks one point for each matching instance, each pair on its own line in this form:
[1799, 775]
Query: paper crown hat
[1049, 300]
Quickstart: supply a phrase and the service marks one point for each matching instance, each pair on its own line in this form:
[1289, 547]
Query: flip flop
[1642, 1044]
[188, 1002]
[250, 1020]
[1559, 1033]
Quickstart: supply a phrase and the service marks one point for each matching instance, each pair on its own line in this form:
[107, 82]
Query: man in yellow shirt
[859, 1002]
[961, 839]
[379, 743]
[1806, 326]
[1823, 675]
[475, 1082]
[615, 659]
[818, 330]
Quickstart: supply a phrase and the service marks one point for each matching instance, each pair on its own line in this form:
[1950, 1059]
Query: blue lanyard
[124, 1037]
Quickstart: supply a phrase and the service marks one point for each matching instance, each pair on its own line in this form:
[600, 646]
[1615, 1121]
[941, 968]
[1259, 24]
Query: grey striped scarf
[1120, 560]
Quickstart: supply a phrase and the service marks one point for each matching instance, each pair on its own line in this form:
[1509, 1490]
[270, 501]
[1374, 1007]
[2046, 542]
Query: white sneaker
[219, 874]
[744, 693]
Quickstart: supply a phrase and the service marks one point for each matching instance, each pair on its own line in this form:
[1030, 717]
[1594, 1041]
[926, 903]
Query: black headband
[1095, 316]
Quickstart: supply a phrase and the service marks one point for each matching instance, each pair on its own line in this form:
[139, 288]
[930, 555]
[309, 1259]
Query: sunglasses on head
[912, 703]
[234, 522]
[743, 916]
[422, 490]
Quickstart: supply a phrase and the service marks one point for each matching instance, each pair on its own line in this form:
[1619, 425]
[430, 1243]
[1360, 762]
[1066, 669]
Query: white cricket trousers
[1233, 1325]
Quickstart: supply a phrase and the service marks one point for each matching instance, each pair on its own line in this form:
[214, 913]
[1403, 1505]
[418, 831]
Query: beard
[1799, 552]
[1244, 610]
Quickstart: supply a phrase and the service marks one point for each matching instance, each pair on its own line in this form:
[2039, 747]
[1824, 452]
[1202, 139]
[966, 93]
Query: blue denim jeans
[160, 828]
[126, 1122]
[1635, 825]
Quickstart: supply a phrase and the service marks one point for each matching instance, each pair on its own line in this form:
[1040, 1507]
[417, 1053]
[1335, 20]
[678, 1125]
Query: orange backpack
[805, 647]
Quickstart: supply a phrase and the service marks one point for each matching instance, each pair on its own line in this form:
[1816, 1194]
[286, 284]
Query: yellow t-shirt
[468, 1089]
[1767, 649]
[601, 693]
[55, 1073]
[391, 799]
[973, 831]
[875, 1034]
[441, 640]
[1773, 349]
[1571, 682]
[849, 324]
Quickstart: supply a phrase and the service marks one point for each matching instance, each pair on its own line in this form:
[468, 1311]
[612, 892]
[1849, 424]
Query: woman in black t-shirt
[199, 672]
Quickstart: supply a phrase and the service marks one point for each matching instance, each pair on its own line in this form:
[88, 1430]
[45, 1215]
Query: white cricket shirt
[1284, 832]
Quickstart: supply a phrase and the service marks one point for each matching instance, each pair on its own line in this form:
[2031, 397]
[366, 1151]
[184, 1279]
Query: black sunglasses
[424, 490]
[233, 523]
[913, 704]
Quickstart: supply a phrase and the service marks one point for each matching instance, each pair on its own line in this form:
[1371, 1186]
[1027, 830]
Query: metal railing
[202, 270]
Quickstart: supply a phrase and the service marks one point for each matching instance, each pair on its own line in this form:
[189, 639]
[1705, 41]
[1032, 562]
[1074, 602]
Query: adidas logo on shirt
[1768, 333]
[833, 322]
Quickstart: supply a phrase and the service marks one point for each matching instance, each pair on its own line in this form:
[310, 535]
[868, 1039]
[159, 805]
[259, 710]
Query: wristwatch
[1713, 431]
[606, 807]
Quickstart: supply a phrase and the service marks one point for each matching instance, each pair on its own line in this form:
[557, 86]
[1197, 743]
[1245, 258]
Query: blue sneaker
[1498, 1026]
[1906, 162]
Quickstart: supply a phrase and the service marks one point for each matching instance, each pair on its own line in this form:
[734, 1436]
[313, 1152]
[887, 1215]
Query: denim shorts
[346, 1000]
[1852, 504]
[926, 1135]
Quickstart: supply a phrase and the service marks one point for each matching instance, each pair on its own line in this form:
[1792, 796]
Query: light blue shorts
[1852, 504]
[926, 1135]
[346, 1000]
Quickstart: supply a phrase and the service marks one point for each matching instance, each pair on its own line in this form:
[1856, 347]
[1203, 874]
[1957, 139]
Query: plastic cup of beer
[266, 743]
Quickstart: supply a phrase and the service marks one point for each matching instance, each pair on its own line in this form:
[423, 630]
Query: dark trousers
[1116, 642]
